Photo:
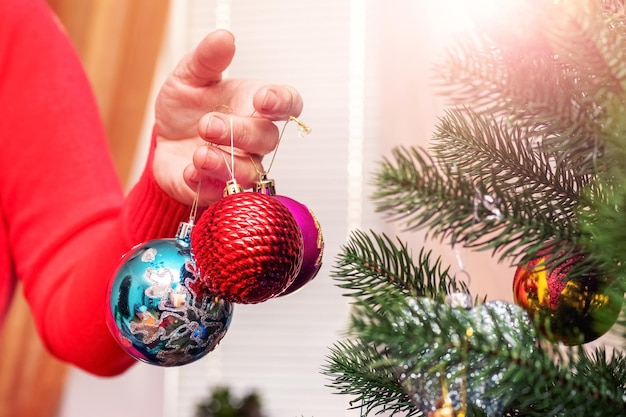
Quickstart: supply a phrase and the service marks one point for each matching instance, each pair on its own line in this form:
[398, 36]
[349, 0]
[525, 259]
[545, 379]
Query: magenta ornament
[311, 234]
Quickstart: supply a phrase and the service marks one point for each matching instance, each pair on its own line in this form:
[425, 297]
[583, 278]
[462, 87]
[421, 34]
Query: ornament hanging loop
[461, 298]
[303, 131]
[489, 203]
[232, 186]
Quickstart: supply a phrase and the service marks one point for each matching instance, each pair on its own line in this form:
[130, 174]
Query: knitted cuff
[149, 213]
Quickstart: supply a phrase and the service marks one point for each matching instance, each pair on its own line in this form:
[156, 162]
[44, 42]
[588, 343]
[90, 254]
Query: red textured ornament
[248, 248]
[564, 310]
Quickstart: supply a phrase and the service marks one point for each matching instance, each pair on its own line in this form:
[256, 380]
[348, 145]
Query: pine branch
[558, 71]
[577, 383]
[483, 147]
[490, 351]
[525, 83]
[373, 265]
[532, 156]
[356, 370]
[412, 189]
[588, 36]
[603, 230]
[424, 338]
[495, 77]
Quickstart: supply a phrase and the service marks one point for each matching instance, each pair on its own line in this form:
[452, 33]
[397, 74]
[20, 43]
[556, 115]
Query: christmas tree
[222, 403]
[529, 163]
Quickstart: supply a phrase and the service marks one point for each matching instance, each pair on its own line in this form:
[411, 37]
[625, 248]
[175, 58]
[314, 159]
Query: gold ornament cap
[265, 186]
[232, 187]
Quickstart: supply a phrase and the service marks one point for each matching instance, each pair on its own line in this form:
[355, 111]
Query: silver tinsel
[466, 373]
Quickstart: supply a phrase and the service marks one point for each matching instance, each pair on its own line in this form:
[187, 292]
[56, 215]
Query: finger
[216, 167]
[207, 190]
[278, 102]
[253, 135]
[205, 65]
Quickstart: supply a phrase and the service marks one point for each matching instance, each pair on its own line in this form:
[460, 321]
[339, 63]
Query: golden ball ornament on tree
[564, 309]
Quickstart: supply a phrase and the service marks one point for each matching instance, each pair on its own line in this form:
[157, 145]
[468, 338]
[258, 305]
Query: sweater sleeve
[67, 220]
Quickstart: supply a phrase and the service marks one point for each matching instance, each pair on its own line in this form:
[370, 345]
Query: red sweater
[64, 220]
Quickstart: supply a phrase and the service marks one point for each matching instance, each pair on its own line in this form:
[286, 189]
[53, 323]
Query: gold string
[304, 129]
[194, 205]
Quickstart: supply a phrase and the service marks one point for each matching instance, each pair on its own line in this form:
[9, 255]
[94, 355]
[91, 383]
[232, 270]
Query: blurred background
[364, 68]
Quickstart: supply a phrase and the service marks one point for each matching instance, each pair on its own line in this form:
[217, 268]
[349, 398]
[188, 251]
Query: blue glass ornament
[155, 310]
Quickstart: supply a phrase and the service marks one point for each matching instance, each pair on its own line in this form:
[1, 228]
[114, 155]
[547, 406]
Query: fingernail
[215, 127]
[211, 160]
[270, 101]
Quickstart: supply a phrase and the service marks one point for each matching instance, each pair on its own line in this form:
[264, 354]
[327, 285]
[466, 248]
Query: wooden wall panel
[119, 48]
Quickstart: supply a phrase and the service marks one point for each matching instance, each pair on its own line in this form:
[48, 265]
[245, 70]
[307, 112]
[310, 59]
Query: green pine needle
[449, 204]
[357, 370]
[374, 265]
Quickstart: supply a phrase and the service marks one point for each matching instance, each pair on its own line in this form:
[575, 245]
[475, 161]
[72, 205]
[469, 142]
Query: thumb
[206, 63]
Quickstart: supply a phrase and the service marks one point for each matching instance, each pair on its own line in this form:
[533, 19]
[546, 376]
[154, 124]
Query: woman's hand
[196, 106]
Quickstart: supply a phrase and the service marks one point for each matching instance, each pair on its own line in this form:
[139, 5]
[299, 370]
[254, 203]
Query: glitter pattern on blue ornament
[154, 310]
